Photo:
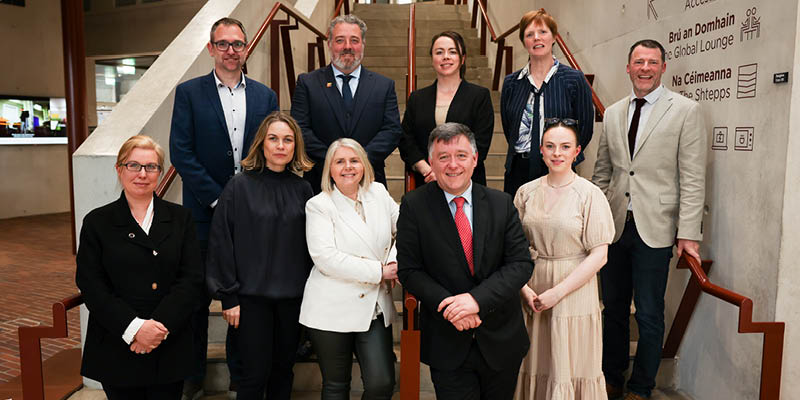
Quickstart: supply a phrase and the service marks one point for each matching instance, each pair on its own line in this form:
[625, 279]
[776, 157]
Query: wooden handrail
[30, 349]
[772, 349]
[410, 336]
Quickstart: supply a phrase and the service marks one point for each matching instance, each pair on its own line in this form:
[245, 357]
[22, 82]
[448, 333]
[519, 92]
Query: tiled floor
[37, 269]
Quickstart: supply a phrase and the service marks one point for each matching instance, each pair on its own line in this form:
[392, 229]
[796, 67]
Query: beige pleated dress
[565, 357]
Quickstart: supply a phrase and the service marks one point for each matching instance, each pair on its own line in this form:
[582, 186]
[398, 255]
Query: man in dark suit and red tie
[344, 99]
[463, 254]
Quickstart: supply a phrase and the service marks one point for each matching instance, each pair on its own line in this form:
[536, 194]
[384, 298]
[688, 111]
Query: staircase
[385, 53]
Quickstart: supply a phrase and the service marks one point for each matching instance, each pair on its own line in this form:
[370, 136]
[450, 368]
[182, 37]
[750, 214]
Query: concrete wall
[34, 176]
[140, 28]
[751, 179]
[787, 309]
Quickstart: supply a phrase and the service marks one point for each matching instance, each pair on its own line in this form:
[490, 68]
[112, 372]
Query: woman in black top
[543, 88]
[258, 260]
[139, 271]
[449, 99]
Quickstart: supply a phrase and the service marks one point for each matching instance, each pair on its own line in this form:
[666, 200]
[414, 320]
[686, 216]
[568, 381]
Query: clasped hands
[149, 336]
[540, 302]
[461, 310]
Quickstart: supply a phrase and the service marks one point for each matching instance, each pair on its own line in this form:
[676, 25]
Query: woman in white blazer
[347, 304]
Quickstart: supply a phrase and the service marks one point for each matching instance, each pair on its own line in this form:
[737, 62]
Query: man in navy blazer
[363, 109]
[214, 120]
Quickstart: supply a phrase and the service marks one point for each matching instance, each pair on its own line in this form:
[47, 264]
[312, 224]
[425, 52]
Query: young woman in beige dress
[569, 225]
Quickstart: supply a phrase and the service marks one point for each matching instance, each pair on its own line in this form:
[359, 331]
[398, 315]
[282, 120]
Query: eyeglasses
[222, 45]
[134, 166]
[548, 122]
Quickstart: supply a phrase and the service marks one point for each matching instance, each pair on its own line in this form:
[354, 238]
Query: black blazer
[124, 273]
[318, 108]
[566, 95]
[432, 266]
[199, 144]
[471, 106]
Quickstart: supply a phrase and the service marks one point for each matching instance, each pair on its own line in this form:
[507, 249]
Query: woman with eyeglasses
[451, 98]
[139, 271]
[568, 222]
[258, 259]
[544, 88]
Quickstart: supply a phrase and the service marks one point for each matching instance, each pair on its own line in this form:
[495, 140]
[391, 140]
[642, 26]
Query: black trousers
[167, 391]
[523, 170]
[475, 380]
[268, 335]
[373, 349]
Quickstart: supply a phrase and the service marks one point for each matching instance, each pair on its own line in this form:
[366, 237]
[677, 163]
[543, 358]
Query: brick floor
[37, 269]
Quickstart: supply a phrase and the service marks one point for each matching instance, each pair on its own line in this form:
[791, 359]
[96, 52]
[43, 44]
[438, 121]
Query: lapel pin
[329, 84]
[131, 235]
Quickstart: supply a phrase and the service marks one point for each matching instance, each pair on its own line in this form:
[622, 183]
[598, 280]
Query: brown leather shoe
[634, 396]
[614, 393]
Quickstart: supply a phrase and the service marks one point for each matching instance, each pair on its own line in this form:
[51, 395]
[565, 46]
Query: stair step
[306, 374]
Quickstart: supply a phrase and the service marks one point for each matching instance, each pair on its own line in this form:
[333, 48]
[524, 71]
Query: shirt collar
[467, 195]
[525, 70]
[242, 82]
[355, 74]
[651, 97]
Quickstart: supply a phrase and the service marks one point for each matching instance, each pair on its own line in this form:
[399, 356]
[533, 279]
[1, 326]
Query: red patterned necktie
[464, 232]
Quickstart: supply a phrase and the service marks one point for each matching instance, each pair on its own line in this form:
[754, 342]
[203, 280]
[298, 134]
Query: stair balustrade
[30, 346]
[772, 351]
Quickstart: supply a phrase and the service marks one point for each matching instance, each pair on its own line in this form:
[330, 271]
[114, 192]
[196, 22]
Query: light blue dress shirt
[467, 195]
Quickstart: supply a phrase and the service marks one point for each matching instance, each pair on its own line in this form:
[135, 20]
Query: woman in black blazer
[139, 271]
[449, 99]
[543, 84]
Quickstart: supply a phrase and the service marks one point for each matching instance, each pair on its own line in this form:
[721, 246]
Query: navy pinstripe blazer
[566, 95]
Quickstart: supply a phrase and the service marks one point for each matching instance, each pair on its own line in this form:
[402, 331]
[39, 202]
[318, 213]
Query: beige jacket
[666, 178]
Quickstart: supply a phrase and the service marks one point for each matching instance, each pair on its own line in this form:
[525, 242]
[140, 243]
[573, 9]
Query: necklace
[561, 185]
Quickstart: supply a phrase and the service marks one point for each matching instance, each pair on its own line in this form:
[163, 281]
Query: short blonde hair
[140, 142]
[327, 180]
[255, 159]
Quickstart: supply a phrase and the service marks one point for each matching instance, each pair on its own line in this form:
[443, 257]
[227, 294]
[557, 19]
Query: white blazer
[348, 254]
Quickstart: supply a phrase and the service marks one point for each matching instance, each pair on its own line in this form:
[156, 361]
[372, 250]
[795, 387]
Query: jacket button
[361, 296]
[154, 286]
[131, 235]
[155, 253]
[631, 173]
[230, 153]
[627, 194]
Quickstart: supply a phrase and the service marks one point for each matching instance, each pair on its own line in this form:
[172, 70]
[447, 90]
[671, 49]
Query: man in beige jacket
[651, 165]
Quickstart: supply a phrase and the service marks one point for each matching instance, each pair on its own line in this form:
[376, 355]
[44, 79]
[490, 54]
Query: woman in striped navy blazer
[544, 88]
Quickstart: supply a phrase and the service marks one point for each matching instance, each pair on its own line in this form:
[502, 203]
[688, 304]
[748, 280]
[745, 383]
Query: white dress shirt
[356, 76]
[234, 106]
